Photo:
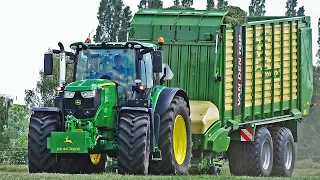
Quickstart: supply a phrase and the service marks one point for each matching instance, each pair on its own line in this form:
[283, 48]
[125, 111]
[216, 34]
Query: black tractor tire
[41, 160]
[281, 138]
[262, 136]
[82, 164]
[169, 165]
[133, 143]
[238, 155]
[249, 159]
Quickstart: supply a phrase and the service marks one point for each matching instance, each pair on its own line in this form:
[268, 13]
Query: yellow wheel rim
[95, 158]
[179, 139]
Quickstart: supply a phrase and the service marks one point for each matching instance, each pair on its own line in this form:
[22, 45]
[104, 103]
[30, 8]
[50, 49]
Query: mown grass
[305, 169]
[24, 175]
[13, 168]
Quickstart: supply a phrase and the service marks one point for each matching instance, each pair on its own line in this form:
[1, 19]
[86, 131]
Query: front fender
[53, 110]
[143, 109]
[46, 109]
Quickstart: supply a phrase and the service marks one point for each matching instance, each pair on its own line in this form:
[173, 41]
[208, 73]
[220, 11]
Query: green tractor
[115, 107]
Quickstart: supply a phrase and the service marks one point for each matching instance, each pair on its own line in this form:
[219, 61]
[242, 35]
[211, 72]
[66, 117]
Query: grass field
[304, 170]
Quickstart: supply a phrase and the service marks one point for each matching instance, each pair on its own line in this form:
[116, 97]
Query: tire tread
[244, 157]
[133, 156]
[168, 165]
[39, 157]
[279, 135]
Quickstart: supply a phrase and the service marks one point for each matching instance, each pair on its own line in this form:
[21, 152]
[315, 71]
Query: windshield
[115, 64]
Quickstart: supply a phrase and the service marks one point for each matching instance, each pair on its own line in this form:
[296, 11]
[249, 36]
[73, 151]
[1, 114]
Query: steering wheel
[108, 76]
[105, 77]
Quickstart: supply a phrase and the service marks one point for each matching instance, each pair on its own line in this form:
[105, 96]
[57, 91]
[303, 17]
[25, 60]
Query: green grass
[304, 170]
[13, 168]
[25, 175]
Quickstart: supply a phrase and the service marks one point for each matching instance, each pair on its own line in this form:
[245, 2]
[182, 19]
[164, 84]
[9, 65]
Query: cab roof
[114, 44]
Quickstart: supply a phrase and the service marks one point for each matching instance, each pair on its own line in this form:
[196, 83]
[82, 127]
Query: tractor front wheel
[41, 160]
[175, 140]
[133, 143]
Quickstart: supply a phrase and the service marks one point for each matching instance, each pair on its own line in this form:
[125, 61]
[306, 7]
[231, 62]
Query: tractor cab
[116, 62]
[133, 66]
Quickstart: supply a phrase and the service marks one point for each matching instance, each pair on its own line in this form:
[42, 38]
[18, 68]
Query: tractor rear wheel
[175, 140]
[133, 143]
[284, 152]
[41, 160]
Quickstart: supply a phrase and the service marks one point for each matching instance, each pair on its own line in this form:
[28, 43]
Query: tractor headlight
[88, 94]
[69, 94]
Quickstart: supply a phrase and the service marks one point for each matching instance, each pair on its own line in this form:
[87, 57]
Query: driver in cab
[118, 72]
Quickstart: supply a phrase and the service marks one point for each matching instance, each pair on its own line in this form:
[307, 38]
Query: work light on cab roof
[88, 40]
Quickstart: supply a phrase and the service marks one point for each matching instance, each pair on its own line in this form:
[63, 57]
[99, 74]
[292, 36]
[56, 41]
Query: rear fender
[165, 98]
[163, 102]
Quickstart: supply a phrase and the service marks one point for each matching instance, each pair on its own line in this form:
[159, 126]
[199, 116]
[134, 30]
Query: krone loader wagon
[248, 87]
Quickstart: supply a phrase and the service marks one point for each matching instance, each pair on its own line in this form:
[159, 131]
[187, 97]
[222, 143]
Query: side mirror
[48, 63]
[169, 74]
[143, 52]
[157, 61]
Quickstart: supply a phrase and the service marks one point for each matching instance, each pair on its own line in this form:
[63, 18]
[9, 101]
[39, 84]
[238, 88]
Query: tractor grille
[86, 109]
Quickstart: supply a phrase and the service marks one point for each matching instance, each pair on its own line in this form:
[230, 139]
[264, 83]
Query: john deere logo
[78, 102]
[68, 140]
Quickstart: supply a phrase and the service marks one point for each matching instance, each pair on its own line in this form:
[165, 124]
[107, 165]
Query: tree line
[113, 17]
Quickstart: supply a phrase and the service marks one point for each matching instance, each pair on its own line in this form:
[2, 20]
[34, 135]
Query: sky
[29, 28]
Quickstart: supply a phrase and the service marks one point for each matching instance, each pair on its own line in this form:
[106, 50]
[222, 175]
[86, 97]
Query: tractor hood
[88, 84]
